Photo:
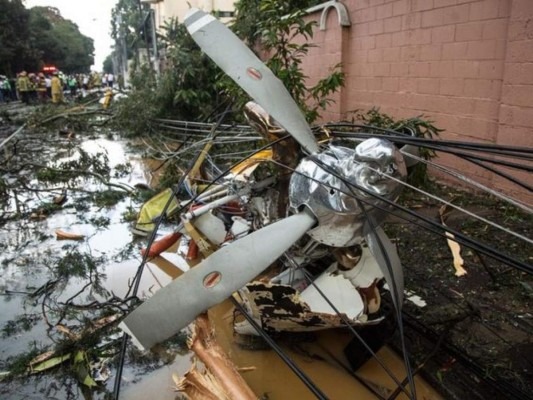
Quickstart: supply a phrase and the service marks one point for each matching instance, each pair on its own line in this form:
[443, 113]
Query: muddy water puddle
[39, 274]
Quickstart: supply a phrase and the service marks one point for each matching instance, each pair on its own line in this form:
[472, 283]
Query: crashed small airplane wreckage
[300, 251]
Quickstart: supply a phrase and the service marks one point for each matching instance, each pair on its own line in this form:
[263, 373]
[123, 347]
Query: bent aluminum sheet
[335, 202]
[339, 291]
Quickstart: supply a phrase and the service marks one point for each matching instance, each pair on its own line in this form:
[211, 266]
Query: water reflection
[31, 253]
[30, 259]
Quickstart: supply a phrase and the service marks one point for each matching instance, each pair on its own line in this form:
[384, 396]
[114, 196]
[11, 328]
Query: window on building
[225, 14]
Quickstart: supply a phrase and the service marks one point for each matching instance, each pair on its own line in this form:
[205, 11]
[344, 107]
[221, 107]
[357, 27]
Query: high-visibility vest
[23, 84]
[56, 85]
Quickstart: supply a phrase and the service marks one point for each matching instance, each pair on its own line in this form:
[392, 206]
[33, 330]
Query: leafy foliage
[248, 14]
[130, 30]
[31, 38]
[416, 126]
[75, 264]
[126, 20]
[108, 198]
[97, 163]
[192, 87]
[187, 88]
[15, 52]
[108, 65]
[18, 365]
[59, 40]
[278, 27]
[22, 323]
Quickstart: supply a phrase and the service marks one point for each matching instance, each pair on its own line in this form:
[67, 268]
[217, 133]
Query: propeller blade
[173, 307]
[395, 281]
[242, 65]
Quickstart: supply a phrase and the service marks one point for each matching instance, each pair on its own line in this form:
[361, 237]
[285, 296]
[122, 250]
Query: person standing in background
[23, 86]
[72, 85]
[41, 88]
[110, 80]
[120, 81]
[33, 87]
[48, 82]
[85, 82]
[13, 86]
[57, 89]
[97, 80]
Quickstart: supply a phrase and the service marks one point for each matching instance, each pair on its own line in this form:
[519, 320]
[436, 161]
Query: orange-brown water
[322, 360]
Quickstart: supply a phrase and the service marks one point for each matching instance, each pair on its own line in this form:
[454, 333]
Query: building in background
[164, 10]
[467, 65]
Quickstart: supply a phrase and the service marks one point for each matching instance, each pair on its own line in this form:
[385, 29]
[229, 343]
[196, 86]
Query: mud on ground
[477, 328]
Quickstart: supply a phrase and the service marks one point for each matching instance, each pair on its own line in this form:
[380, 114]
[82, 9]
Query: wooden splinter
[221, 379]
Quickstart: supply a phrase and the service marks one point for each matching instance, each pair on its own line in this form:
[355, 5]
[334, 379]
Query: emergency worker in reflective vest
[41, 88]
[23, 86]
[57, 89]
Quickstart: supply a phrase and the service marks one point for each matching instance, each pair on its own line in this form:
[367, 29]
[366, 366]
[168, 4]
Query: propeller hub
[334, 183]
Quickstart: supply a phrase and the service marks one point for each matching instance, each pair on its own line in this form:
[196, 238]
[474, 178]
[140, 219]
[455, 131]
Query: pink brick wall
[516, 106]
[466, 64]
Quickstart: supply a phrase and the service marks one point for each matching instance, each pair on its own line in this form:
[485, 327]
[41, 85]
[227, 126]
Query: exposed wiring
[435, 228]
[281, 353]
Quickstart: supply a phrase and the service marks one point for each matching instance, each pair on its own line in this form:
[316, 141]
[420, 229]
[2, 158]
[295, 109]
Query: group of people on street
[41, 87]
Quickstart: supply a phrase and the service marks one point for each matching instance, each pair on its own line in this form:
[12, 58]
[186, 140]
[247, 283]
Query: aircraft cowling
[331, 200]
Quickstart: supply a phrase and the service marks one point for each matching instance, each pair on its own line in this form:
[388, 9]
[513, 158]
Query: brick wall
[466, 64]
[516, 106]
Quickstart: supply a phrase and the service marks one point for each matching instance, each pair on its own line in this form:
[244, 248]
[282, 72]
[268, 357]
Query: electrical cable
[303, 377]
[432, 226]
[438, 145]
[138, 275]
[396, 136]
[458, 208]
[502, 387]
[350, 186]
[469, 181]
[477, 160]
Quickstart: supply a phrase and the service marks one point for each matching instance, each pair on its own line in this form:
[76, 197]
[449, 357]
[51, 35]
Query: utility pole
[154, 43]
[124, 58]
[143, 19]
[121, 45]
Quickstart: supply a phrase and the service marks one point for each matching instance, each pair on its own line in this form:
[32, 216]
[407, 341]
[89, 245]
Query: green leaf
[82, 369]
[47, 364]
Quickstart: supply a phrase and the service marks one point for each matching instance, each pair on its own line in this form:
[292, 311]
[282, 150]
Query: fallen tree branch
[73, 114]
[222, 380]
[103, 122]
[128, 189]
[5, 141]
